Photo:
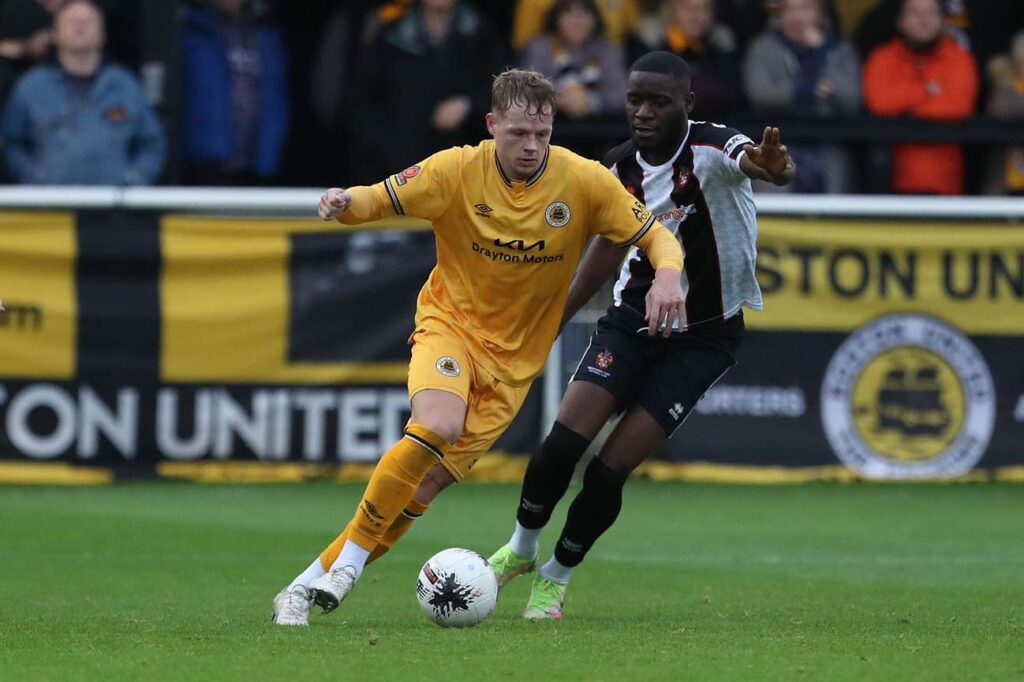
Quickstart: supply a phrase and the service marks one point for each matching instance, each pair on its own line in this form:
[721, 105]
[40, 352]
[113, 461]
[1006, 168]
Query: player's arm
[352, 206]
[601, 260]
[422, 191]
[666, 304]
[769, 161]
[627, 222]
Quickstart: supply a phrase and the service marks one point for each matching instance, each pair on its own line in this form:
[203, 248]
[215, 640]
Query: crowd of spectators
[265, 92]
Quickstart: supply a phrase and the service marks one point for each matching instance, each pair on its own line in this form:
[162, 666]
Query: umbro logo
[483, 210]
[677, 411]
[372, 510]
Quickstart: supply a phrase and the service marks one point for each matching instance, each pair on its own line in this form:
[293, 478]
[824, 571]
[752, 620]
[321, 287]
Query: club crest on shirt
[682, 180]
[406, 175]
[448, 366]
[557, 214]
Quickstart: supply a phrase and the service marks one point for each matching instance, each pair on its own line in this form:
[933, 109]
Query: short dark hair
[519, 86]
[666, 63]
[562, 6]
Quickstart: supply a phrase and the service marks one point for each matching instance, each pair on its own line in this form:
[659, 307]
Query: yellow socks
[393, 485]
[402, 524]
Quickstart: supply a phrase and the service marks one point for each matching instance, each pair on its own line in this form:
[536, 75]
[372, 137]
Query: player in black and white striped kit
[695, 178]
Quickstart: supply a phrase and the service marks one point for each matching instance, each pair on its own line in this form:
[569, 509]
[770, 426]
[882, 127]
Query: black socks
[592, 512]
[548, 475]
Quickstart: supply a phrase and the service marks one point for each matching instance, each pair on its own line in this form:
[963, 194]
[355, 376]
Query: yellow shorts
[440, 361]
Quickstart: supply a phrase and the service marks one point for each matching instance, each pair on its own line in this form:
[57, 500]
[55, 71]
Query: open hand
[769, 155]
[333, 203]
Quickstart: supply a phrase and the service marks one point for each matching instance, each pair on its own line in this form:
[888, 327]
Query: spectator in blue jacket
[80, 121]
[235, 94]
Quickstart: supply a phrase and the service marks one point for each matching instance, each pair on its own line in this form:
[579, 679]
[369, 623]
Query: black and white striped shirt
[703, 197]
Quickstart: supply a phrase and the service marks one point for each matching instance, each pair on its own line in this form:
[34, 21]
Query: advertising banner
[136, 339]
[893, 348]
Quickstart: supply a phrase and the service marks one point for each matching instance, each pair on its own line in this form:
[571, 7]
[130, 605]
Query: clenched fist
[333, 203]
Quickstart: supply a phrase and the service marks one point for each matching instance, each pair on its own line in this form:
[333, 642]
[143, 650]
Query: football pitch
[173, 581]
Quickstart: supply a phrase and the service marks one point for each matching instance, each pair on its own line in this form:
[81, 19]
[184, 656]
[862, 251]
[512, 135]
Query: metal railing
[302, 202]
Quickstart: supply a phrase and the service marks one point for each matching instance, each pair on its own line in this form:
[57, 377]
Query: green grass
[696, 582]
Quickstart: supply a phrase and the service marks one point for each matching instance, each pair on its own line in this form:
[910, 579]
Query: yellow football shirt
[506, 250]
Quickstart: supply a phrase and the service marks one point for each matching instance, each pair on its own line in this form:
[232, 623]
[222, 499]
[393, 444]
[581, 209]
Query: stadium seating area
[263, 92]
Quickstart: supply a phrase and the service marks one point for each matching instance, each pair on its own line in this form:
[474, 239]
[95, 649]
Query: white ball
[457, 588]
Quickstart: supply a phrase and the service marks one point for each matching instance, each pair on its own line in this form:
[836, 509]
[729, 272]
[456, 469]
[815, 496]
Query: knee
[442, 413]
[436, 480]
[621, 463]
[564, 444]
[447, 427]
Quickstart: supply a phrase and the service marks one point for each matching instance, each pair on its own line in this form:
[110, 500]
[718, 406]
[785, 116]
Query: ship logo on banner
[908, 396]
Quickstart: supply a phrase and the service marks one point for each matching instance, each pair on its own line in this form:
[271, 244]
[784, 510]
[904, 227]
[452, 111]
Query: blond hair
[519, 86]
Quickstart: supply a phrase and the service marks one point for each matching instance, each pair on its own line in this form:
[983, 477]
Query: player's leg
[669, 393]
[439, 389]
[437, 420]
[436, 480]
[603, 380]
[490, 412]
[492, 407]
[595, 507]
[584, 410]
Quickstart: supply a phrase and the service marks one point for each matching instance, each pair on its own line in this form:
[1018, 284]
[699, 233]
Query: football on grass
[457, 588]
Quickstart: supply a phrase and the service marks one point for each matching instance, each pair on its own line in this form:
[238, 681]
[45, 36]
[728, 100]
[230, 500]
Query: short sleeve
[426, 189]
[617, 215]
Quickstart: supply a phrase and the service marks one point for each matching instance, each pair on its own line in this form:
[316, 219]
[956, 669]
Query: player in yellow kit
[511, 218]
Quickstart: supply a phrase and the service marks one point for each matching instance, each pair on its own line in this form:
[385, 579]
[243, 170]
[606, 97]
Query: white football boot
[330, 589]
[291, 607]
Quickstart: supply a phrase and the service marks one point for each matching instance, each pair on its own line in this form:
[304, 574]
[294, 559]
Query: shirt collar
[533, 178]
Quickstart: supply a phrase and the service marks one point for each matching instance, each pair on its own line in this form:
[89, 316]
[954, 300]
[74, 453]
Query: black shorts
[666, 377]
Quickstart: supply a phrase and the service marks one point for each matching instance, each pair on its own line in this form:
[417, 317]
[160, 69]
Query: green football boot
[546, 600]
[508, 565]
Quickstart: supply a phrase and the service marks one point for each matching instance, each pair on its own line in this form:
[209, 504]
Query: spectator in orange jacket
[923, 73]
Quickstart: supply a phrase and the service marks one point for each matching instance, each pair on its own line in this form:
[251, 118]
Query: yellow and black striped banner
[136, 341]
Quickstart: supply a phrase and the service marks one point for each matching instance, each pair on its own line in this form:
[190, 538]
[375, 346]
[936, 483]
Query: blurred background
[264, 92]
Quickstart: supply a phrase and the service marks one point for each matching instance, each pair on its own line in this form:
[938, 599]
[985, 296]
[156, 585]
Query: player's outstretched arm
[352, 206]
[769, 161]
[333, 202]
